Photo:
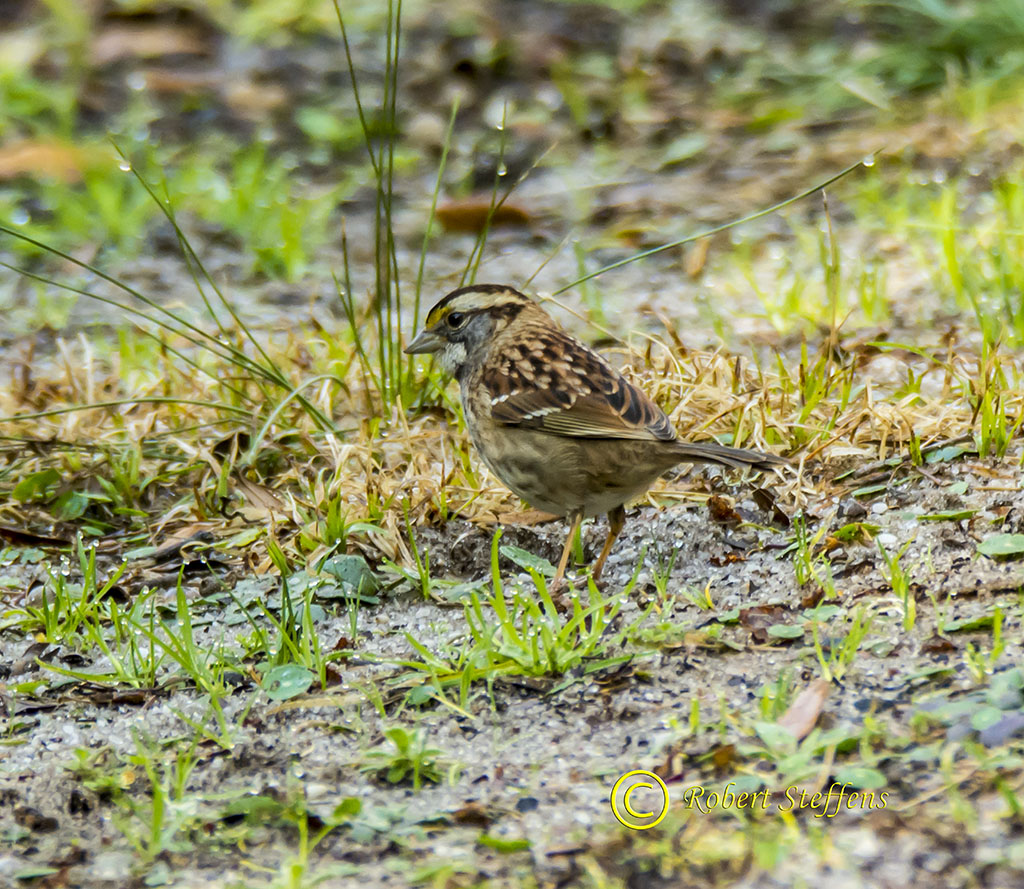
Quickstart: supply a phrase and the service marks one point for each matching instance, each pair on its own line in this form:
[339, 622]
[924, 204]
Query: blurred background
[623, 125]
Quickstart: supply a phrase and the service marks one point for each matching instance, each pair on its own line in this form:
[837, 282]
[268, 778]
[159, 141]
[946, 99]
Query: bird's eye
[456, 319]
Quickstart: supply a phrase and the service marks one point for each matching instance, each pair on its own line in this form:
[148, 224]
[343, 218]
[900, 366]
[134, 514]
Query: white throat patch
[453, 357]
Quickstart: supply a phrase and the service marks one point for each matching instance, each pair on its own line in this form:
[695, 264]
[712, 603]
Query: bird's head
[462, 324]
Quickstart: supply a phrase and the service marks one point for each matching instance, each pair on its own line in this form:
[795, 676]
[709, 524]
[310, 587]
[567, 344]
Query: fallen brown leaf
[937, 645]
[119, 42]
[470, 215]
[812, 599]
[164, 80]
[758, 618]
[53, 160]
[724, 756]
[261, 503]
[473, 814]
[803, 713]
[722, 510]
[697, 257]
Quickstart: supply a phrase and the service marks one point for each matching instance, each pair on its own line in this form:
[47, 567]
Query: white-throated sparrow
[550, 417]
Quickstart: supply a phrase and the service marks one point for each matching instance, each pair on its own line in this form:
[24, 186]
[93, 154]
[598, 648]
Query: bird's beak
[426, 341]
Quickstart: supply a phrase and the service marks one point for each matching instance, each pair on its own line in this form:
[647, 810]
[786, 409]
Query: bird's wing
[552, 382]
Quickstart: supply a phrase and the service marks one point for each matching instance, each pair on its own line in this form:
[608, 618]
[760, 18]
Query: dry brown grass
[202, 462]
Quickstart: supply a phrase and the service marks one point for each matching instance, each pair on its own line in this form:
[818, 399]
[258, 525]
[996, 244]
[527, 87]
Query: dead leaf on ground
[248, 97]
[724, 756]
[674, 767]
[613, 679]
[470, 215]
[722, 511]
[727, 559]
[473, 815]
[261, 503]
[812, 599]
[52, 160]
[28, 658]
[937, 644]
[803, 713]
[697, 257]
[759, 618]
[34, 820]
[119, 42]
[766, 500]
[188, 83]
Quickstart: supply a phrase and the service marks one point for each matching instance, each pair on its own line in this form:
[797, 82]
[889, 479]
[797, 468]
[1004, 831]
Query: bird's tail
[738, 458]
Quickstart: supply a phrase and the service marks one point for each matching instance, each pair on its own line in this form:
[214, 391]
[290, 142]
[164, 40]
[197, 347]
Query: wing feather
[553, 382]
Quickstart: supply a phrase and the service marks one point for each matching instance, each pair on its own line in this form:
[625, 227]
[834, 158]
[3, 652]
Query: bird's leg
[574, 526]
[616, 519]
